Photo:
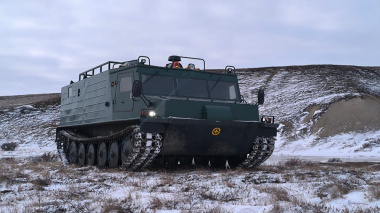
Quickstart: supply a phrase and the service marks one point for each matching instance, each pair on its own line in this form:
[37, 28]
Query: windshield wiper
[150, 77]
[217, 81]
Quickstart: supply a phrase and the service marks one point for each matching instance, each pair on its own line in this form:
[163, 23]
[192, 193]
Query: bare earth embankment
[20, 100]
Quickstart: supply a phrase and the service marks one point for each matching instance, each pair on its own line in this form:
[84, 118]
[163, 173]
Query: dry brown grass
[48, 157]
[189, 191]
[113, 205]
[42, 182]
[5, 177]
[6, 161]
[10, 174]
[334, 160]
[374, 167]
[296, 162]
[277, 193]
[228, 182]
[374, 191]
[337, 189]
[207, 193]
[187, 187]
[217, 209]
[162, 203]
[155, 203]
[167, 179]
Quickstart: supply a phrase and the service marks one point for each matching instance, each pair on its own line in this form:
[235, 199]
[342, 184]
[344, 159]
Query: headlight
[152, 114]
[148, 113]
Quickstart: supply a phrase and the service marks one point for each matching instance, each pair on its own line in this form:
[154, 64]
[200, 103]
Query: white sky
[45, 44]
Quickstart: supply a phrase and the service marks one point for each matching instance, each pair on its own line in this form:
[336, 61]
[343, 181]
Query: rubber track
[262, 149]
[145, 149]
[146, 146]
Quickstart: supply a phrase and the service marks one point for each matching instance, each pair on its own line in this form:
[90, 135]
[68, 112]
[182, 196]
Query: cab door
[123, 98]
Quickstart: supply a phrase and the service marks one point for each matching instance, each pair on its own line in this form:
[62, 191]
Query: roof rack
[91, 72]
[108, 64]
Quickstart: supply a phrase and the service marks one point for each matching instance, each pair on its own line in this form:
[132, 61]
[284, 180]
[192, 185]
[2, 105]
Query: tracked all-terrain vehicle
[133, 114]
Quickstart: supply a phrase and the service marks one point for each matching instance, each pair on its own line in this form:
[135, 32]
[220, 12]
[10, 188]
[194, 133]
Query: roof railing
[141, 60]
[108, 64]
[91, 72]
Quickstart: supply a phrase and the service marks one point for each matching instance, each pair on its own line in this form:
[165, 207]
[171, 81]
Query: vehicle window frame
[233, 84]
[70, 92]
[196, 79]
[152, 76]
[176, 93]
[125, 86]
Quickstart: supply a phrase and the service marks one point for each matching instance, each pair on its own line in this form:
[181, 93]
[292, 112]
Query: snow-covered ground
[292, 186]
[303, 99]
[32, 128]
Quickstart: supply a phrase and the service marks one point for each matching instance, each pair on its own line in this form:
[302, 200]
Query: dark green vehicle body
[198, 112]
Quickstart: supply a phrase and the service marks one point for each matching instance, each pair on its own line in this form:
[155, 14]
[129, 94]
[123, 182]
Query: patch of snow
[342, 145]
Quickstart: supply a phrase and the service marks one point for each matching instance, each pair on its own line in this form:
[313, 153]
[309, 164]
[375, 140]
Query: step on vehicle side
[133, 114]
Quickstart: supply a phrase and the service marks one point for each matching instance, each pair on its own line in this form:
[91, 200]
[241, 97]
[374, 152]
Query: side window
[232, 91]
[223, 90]
[70, 92]
[126, 84]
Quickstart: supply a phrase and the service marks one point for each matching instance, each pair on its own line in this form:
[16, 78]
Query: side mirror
[137, 88]
[260, 97]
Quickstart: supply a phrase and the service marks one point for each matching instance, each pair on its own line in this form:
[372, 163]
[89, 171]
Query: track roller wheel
[73, 152]
[82, 155]
[113, 155]
[91, 155]
[66, 145]
[102, 155]
[126, 149]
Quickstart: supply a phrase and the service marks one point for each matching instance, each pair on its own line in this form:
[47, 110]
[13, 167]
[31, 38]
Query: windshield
[158, 85]
[223, 90]
[188, 87]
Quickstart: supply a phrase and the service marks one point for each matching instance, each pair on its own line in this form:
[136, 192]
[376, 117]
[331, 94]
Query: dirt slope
[357, 114]
[19, 100]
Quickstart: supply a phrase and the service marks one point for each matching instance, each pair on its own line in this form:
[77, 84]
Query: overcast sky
[45, 44]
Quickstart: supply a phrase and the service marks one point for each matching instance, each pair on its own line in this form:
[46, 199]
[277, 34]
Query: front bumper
[184, 136]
